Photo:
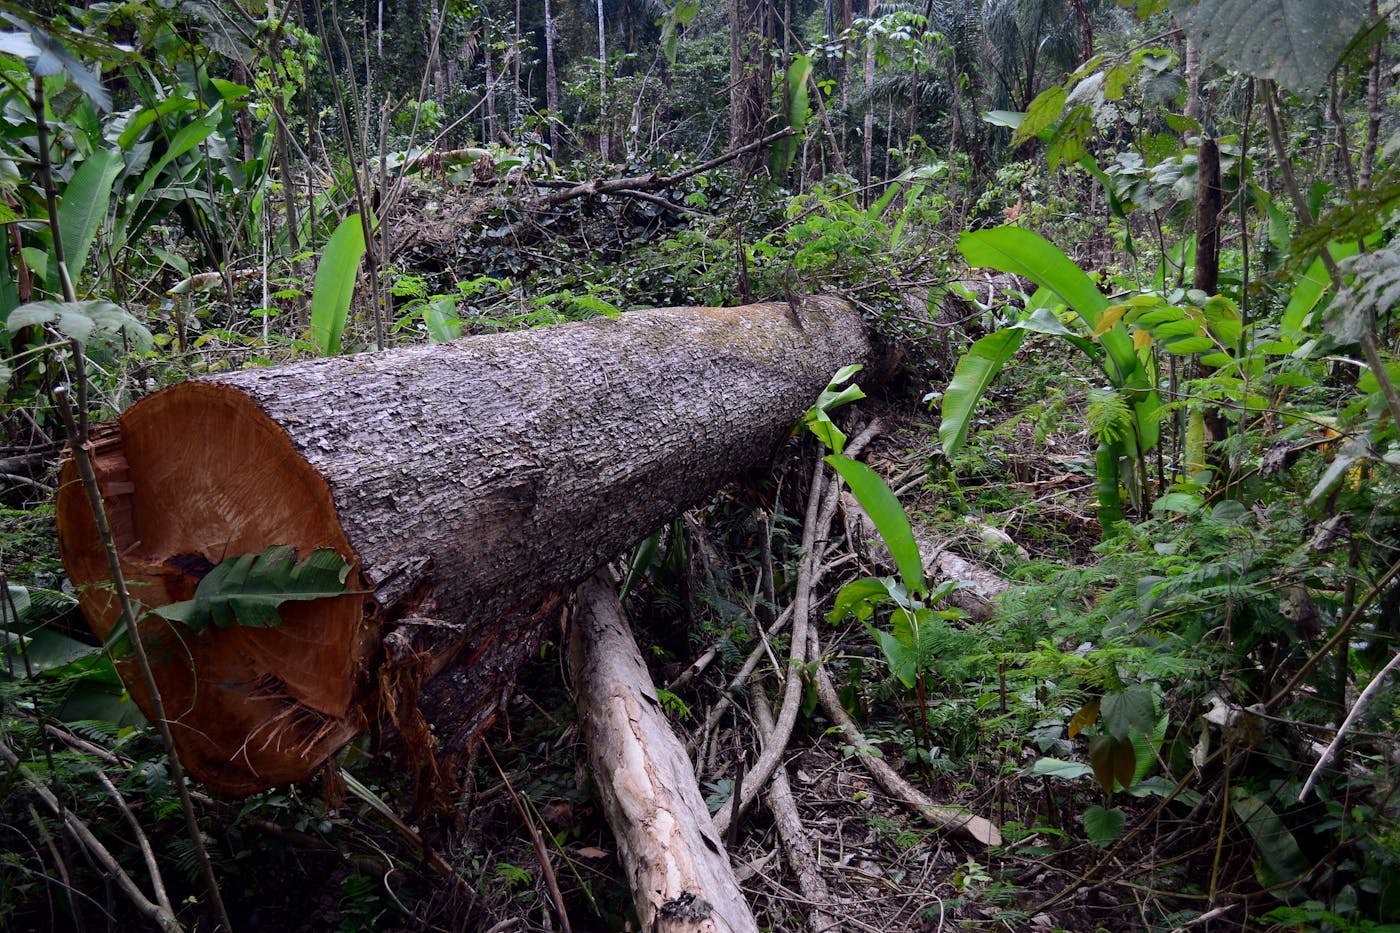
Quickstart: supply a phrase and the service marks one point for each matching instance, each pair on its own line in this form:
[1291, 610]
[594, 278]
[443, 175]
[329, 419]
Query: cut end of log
[189, 476]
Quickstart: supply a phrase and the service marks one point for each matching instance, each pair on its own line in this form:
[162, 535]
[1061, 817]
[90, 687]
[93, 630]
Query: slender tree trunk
[1193, 81]
[602, 87]
[1373, 110]
[868, 126]
[551, 80]
[748, 76]
[434, 56]
[491, 125]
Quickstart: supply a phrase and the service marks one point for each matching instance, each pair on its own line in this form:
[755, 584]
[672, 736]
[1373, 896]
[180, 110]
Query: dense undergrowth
[1131, 386]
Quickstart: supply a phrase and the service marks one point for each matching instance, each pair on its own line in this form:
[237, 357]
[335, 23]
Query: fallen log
[676, 865]
[470, 484]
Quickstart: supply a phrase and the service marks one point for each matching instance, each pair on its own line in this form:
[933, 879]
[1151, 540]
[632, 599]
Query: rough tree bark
[468, 482]
[676, 863]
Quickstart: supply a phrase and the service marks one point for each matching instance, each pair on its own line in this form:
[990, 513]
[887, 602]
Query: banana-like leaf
[85, 202]
[1021, 252]
[335, 284]
[797, 108]
[976, 370]
[188, 136]
[887, 514]
[246, 590]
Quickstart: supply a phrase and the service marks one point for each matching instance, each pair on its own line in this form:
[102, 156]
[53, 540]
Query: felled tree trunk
[468, 482]
[676, 864]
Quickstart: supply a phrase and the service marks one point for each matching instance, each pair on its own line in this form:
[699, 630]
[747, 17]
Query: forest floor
[884, 868]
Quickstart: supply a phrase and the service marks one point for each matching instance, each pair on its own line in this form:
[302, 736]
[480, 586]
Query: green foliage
[818, 417]
[1297, 44]
[247, 589]
[888, 515]
[335, 284]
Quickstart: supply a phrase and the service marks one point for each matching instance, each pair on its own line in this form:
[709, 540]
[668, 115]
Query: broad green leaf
[826, 431]
[1010, 119]
[1041, 114]
[1277, 847]
[975, 372]
[1125, 710]
[796, 109]
[887, 514]
[1309, 288]
[79, 320]
[1145, 747]
[1295, 42]
[1021, 252]
[44, 55]
[85, 201]
[189, 136]
[145, 116]
[1106, 486]
[1186, 346]
[858, 598]
[246, 590]
[1183, 502]
[643, 558]
[335, 284]
[1354, 451]
[15, 607]
[1064, 770]
[1101, 825]
[440, 317]
[902, 659]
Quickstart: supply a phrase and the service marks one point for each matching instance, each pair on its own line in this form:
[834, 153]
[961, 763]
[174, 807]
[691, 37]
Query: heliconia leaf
[335, 284]
[887, 514]
[248, 589]
[858, 598]
[1278, 848]
[84, 207]
[796, 108]
[1059, 768]
[976, 370]
[186, 138]
[440, 317]
[1021, 252]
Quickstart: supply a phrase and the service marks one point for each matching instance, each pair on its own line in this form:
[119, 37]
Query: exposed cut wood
[466, 481]
[679, 871]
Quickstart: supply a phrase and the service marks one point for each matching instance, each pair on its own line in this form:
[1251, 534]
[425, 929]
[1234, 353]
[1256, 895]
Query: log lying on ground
[469, 483]
[676, 864]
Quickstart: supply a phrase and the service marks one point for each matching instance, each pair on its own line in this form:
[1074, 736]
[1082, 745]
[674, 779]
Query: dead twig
[979, 828]
[792, 834]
